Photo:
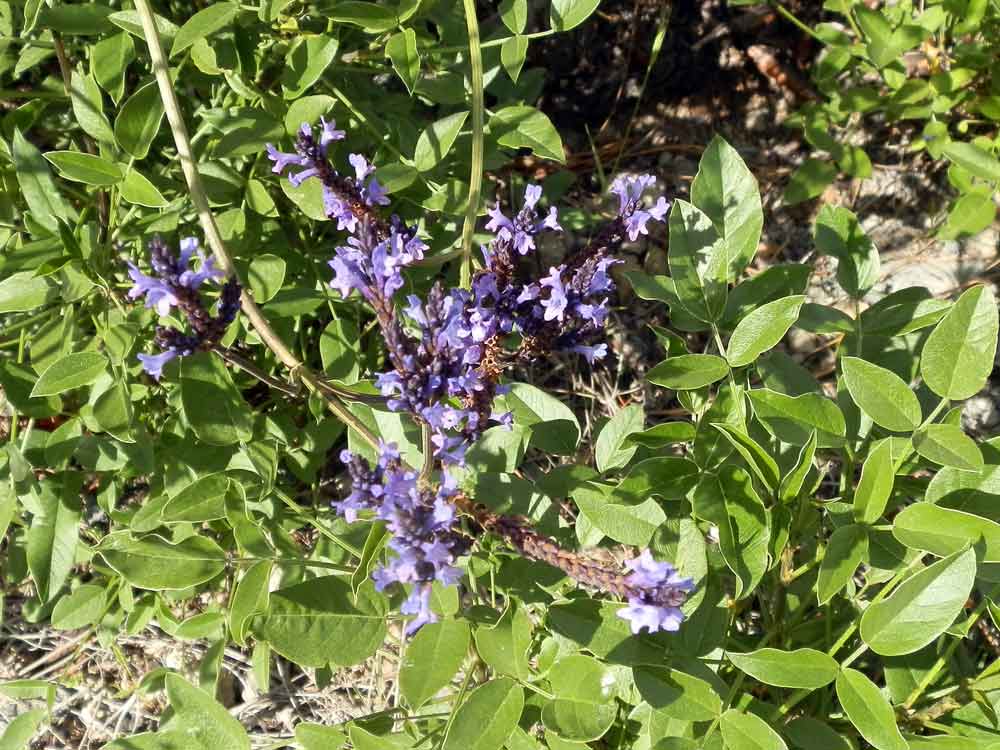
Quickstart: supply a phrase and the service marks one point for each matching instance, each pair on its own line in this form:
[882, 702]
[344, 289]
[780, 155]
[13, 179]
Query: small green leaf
[136, 189]
[487, 717]
[204, 23]
[944, 531]
[306, 63]
[154, 563]
[69, 372]
[88, 108]
[204, 720]
[667, 433]
[746, 731]
[82, 608]
[809, 181]
[611, 451]
[875, 486]
[250, 597]
[521, 126]
[85, 168]
[921, 607]
[762, 329]
[974, 160]
[791, 483]
[839, 233]
[109, 60]
[437, 139]
[567, 14]
[401, 49]
[213, 405]
[372, 17]
[53, 535]
[202, 500]
[677, 694]
[628, 524]
[318, 736]
[698, 261]
[584, 708]
[882, 395]
[37, 188]
[23, 291]
[18, 733]
[958, 355]
[688, 371]
[266, 275]
[794, 419]
[432, 659]
[803, 668]
[138, 121]
[948, 445]
[847, 547]
[512, 54]
[760, 462]
[868, 710]
[514, 14]
[727, 192]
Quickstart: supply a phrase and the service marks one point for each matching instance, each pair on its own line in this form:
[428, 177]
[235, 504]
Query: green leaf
[212, 404]
[921, 608]
[762, 329]
[948, 445]
[882, 395]
[803, 668]
[338, 350]
[729, 501]
[969, 215]
[266, 275]
[306, 63]
[136, 189]
[37, 188]
[437, 139]
[875, 486]
[903, 311]
[18, 733]
[868, 710]
[584, 707]
[698, 262]
[944, 531]
[676, 694]
[973, 159]
[318, 736]
[958, 355]
[83, 607]
[138, 121]
[86, 168]
[205, 721]
[554, 426]
[154, 563]
[69, 372]
[401, 49]
[728, 194]
[371, 17]
[521, 126]
[847, 547]
[596, 626]
[88, 108]
[628, 524]
[129, 21]
[53, 534]
[688, 371]
[824, 319]
[432, 659]
[504, 646]
[204, 23]
[320, 622]
[664, 434]
[610, 449]
[757, 458]
[791, 483]
[810, 734]
[669, 477]
[809, 180]
[109, 60]
[567, 14]
[113, 412]
[839, 233]
[202, 500]
[23, 291]
[78, 20]
[514, 14]
[512, 54]
[487, 717]
[250, 597]
[745, 731]
[793, 419]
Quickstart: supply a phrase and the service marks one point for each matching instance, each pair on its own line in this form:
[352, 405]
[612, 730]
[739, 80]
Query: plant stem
[476, 174]
[790, 17]
[198, 196]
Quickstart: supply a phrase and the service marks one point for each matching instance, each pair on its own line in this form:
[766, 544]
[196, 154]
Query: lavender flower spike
[522, 229]
[629, 189]
[657, 593]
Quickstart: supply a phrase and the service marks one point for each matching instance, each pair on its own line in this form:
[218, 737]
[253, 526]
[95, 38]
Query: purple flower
[525, 225]
[158, 293]
[658, 590]
[629, 189]
[153, 364]
[555, 305]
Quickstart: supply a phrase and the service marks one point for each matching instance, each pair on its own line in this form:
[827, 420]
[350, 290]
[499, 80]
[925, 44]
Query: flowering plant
[380, 466]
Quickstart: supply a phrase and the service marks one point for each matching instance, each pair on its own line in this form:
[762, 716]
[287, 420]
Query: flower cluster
[657, 592]
[422, 523]
[448, 352]
[176, 283]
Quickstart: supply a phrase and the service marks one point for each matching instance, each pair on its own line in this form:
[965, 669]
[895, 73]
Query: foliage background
[180, 535]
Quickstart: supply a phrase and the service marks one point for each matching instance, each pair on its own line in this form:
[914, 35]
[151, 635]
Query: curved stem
[212, 236]
[476, 176]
